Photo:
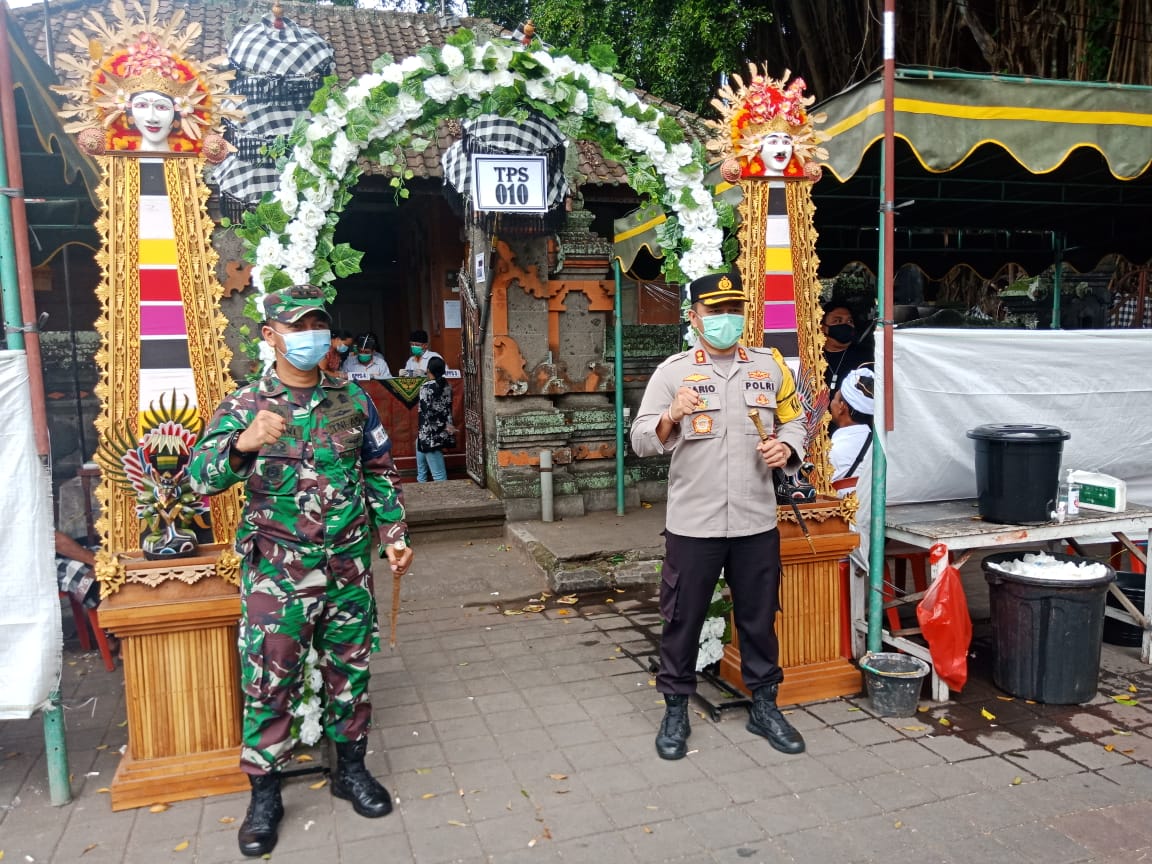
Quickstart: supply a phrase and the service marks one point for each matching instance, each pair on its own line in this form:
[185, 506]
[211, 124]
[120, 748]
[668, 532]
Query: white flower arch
[397, 105]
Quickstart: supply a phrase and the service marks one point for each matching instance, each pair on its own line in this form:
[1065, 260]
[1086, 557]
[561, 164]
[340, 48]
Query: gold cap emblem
[725, 284]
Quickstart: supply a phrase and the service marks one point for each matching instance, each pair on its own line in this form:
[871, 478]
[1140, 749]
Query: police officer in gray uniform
[721, 503]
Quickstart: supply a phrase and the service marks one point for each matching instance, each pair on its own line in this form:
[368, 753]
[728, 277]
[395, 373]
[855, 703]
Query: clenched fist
[684, 402]
[266, 428]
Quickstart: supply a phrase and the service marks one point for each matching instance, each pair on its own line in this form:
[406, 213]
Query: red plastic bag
[944, 620]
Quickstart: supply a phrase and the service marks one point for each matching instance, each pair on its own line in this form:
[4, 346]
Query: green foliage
[675, 49]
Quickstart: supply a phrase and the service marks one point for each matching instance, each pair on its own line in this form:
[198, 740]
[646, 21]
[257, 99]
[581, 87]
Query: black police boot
[352, 782]
[672, 739]
[258, 830]
[764, 718]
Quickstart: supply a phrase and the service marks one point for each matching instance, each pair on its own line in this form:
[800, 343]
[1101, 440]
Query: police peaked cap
[717, 288]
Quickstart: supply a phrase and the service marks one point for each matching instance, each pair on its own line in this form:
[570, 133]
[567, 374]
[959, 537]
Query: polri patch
[696, 376]
[759, 374]
[699, 358]
[701, 424]
[763, 400]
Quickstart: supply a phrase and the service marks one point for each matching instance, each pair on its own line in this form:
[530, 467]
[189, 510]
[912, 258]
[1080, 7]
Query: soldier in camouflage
[320, 481]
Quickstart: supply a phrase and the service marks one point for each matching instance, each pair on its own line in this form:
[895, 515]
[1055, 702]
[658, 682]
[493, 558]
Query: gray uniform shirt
[718, 485]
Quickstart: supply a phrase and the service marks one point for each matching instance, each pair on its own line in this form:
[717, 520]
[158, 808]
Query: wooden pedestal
[815, 661]
[182, 687]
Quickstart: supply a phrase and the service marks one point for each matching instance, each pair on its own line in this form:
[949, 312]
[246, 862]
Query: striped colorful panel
[164, 362]
[779, 288]
[779, 316]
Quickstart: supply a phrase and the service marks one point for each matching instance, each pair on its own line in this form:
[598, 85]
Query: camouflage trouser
[289, 602]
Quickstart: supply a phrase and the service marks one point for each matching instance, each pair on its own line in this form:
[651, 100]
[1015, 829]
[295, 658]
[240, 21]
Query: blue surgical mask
[342, 349]
[722, 331]
[306, 348]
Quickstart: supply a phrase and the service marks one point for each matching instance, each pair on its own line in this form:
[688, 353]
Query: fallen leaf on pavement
[227, 820]
[428, 795]
[456, 824]
[103, 790]
[944, 721]
[513, 611]
[568, 599]
[645, 505]
[534, 607]
[180, 847]
[913, 728]
[651, 682]
[563, 611]
[1120, 732]
[157, 808]
[1109, 747]
[319, 784]
[531, 842]
[1132, 688]
[1006, 698]
[986, 714]
[647, 830]
[558, 776]
[897, 824]
[88, 849]
[423, 770]
[1016, 781]
[609, 600]
[304, 757]
[102, 747]
[1124, 700]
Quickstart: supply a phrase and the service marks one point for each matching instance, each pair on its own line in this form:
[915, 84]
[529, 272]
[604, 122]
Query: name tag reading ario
[510, 184]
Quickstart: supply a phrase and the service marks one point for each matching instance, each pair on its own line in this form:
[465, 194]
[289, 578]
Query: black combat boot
[352, 782]
[764, 718]
[258, 830]
[672, 739]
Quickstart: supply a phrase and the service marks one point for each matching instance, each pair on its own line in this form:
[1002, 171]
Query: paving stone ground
[528, 738]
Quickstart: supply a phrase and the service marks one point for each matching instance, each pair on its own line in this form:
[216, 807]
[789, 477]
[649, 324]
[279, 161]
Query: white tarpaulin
[1095, 384]
[30, 641]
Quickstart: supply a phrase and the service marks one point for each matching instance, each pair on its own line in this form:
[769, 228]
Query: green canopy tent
[993, 169]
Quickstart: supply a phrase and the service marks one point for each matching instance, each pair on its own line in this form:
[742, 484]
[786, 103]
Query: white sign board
[510, 184]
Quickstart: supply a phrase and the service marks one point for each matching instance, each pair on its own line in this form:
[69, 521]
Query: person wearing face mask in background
[338, 353]
[842, 351]
[721, 503]
[321, 492]
[365, 362]
[417, 365]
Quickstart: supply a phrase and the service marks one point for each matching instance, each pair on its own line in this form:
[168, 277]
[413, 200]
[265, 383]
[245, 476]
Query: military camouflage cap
[717, 288]
[291, 304]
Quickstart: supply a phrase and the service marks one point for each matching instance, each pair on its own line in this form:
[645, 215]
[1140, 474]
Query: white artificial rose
[287, 198]
[562, 66]
[452, 56]
[311, 215]
[411, 64]
[343, 153]
[544, 59]
[439, 88]
[478, 84]
[407, 107]
[539, 89]
[681, 154]
[607, 112]
[322, 195]
[268, 251]
[393, 74]
[580, 103]
[502, 78]
[319, 127]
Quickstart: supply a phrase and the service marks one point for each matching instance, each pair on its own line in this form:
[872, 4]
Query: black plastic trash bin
[1017, 471]
[1046, 632]
[1118, 632]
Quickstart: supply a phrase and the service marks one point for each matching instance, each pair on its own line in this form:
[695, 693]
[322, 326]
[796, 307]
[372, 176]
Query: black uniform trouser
[692, 567]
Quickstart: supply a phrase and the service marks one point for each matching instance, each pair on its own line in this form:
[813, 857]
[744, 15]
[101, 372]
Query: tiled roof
[357, 37]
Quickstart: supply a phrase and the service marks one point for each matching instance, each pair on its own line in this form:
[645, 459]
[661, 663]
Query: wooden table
[957, 524]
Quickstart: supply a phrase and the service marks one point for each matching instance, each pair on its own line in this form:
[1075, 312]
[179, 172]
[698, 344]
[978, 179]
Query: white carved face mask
[776, 152]
[153, 113]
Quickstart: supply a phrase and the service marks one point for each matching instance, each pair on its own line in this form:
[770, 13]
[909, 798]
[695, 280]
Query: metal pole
[1057, 278]
[618, 374]
[884, 406]
[20, 306]
[546, 512]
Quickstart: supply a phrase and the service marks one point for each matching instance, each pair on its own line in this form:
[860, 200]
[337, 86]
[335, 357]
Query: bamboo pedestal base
[815, 661]
[182, 688]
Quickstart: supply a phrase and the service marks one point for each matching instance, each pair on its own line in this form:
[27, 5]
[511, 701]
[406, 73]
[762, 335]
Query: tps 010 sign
[510, 184]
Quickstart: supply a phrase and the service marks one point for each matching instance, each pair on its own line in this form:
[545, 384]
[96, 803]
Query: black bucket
[1116, 632]
[894, 682]
[1046, 632]
[1017, 471]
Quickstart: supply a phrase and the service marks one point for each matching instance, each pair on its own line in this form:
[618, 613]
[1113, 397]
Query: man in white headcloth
[851, 409]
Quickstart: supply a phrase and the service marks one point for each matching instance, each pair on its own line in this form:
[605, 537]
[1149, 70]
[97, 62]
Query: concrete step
[596, 551]
[457, 509]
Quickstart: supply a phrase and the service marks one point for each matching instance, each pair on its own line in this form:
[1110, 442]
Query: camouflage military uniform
[314, 499]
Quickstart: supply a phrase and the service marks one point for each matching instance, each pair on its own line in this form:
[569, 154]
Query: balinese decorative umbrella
[279, 67]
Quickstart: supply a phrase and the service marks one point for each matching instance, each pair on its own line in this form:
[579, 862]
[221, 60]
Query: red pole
[889, 216]
[20, 241]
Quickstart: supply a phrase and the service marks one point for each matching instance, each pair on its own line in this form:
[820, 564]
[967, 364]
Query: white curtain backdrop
[1095, 384]
[30, 640]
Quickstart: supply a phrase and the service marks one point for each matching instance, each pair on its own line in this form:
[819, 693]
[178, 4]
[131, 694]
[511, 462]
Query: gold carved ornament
[132, 54]
[748, 113]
